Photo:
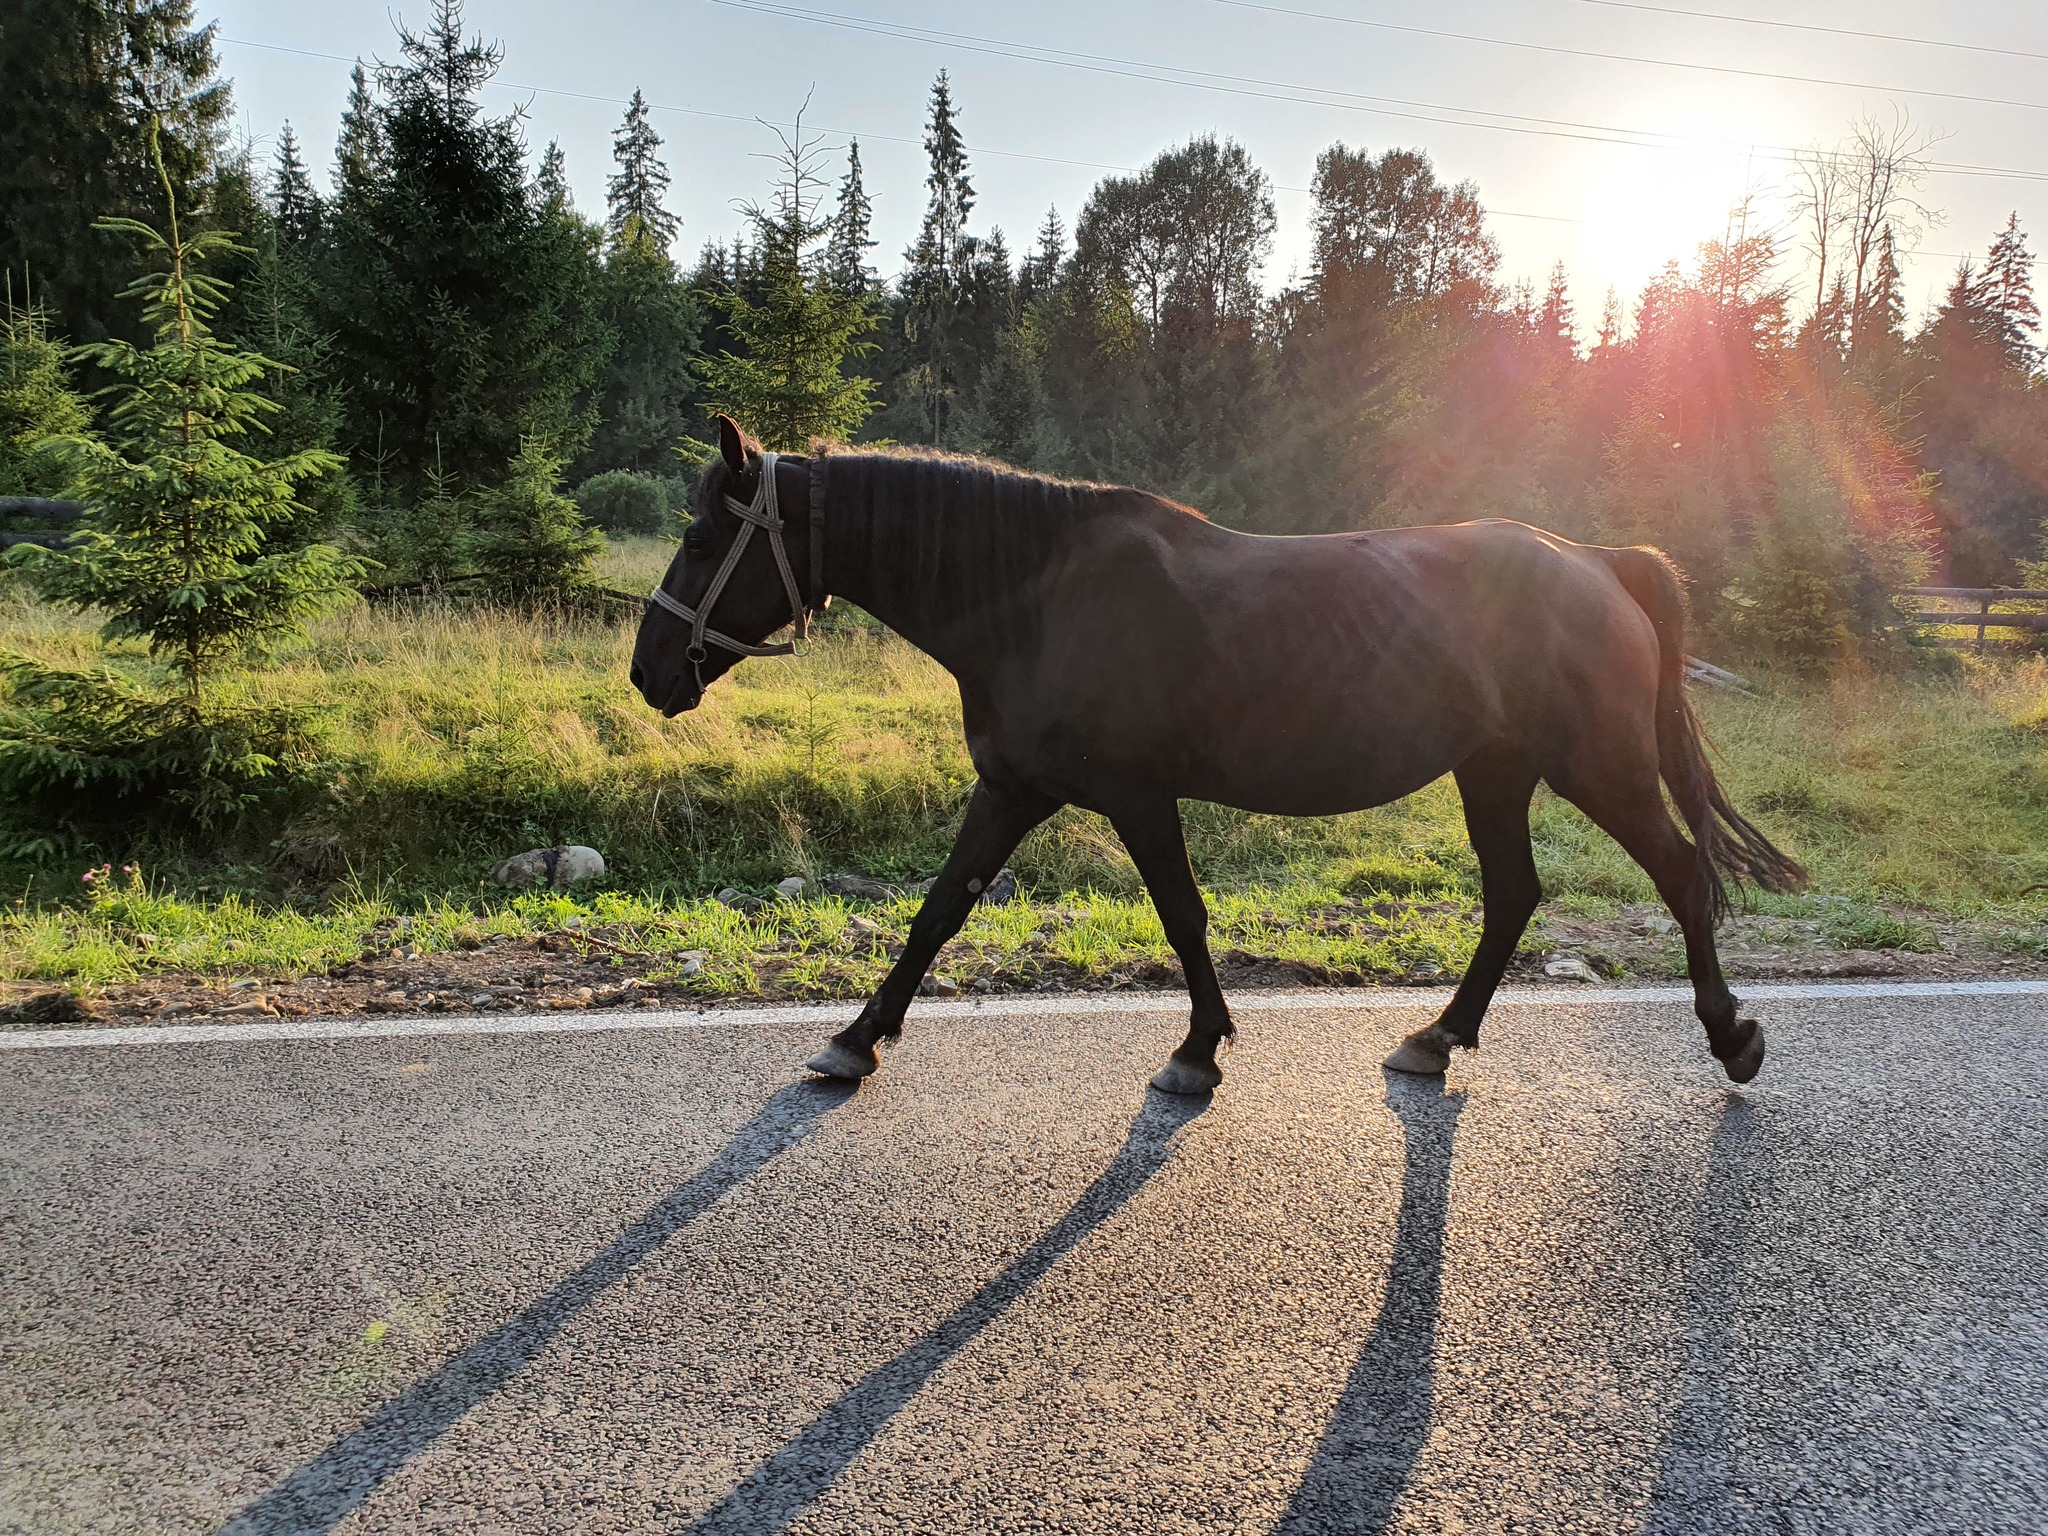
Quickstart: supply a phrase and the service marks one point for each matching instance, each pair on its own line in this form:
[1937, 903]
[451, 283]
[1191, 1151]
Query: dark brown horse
[1118, 652]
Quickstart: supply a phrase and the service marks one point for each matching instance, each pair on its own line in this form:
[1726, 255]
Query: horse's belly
[1293, 784]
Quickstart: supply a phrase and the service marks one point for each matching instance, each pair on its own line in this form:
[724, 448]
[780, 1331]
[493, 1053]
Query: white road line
[819, 1015]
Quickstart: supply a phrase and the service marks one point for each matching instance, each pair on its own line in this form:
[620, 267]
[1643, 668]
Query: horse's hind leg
[1642, 824]
[998, 816]
[1495, 785]
[1151, 833]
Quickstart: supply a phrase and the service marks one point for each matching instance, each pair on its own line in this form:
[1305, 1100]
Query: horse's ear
[732, 446]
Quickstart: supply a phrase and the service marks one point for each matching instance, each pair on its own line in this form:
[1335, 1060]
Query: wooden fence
[1979, 609]
[52, 517]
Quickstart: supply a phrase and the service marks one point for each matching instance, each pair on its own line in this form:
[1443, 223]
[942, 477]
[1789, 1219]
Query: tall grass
[457, 735]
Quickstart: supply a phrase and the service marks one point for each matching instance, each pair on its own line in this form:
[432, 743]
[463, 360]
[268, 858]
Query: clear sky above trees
[1613, 215]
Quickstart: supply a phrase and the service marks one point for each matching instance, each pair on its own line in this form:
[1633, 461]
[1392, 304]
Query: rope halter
[765, 512]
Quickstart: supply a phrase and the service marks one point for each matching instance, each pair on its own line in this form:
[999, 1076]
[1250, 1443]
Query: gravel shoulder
[589, 968]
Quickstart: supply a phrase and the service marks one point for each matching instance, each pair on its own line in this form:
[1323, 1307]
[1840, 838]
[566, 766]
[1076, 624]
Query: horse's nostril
[637, 675]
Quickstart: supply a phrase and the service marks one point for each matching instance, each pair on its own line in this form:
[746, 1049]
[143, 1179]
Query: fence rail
[37, 509]
[1978, 608]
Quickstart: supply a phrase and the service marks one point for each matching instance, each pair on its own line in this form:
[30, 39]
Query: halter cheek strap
[763, 512]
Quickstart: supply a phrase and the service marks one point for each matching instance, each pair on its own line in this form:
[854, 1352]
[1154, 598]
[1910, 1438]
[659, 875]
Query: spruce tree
[938, 263]
[1610, 322]
[2006, 297]
[359, 148]
[633, 195]
[296, 205]
[174, 553]
[795, 330]
[649, 385]
[847, 247]
[1554, 321]
[530, 542]
[462, 298]
[37, 404]
[176, 511]
[84, 82]
[551, 182]
[1041, 269]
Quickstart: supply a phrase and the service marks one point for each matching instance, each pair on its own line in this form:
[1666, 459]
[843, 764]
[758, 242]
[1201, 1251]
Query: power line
[726, 117]
[1632, 58]
[886, 138]
[1231, 85]
[853, 133]
[1808, 26]
[1634, 138]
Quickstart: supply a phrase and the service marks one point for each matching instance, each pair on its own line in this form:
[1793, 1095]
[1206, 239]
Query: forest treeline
[444, 318]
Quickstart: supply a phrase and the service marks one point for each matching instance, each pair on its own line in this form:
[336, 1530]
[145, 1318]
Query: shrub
[624, 501]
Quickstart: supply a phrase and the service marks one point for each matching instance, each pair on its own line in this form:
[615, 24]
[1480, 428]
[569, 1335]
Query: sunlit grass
[458, 735]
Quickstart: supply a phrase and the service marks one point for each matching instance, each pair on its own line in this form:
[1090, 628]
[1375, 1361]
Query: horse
[1119, 652]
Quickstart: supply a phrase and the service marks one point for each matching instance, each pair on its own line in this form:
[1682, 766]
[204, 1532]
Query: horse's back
[1316, 673]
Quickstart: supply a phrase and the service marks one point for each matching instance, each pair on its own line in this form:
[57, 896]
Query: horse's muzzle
[683, 695]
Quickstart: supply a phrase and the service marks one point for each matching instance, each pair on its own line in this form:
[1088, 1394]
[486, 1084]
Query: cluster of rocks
[558, 868]
[1001, 890]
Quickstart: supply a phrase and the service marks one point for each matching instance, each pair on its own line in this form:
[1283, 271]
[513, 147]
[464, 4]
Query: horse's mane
[924, 515]
[987, 487]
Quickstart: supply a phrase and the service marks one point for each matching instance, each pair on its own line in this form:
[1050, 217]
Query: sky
[1610, 135]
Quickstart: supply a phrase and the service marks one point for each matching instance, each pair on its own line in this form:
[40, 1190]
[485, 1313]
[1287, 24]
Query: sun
[1640, 208]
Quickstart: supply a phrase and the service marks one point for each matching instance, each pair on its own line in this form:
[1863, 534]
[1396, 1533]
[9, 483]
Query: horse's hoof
[1178, 1076]
[1747, 1062]
[837, 1060]
[1420, 1054]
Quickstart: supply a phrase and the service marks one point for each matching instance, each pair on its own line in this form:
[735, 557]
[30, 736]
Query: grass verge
[456, 736]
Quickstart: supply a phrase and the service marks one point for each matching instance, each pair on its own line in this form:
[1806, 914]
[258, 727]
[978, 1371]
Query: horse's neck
[961, 587]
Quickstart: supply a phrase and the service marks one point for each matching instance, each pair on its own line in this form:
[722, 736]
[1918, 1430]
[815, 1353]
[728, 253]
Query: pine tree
[2006, 296]
[847, 246]
[530, 541]
[938, 263]
[633, 196]
[37, 404]
[796, 331]
[84, 81]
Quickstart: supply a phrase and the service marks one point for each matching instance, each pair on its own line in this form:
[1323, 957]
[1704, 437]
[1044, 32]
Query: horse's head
[735, 580]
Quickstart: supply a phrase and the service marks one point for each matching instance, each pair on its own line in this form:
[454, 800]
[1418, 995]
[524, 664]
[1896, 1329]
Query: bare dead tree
[1848, 198]
[1819, 189]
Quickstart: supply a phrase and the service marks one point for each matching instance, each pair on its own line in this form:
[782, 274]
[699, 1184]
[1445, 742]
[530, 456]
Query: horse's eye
[696, 539]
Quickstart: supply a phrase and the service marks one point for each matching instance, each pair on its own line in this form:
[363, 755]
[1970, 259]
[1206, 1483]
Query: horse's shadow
[794, 1478]
[321, 1492]
[1698, 1486]
[1375, 1434]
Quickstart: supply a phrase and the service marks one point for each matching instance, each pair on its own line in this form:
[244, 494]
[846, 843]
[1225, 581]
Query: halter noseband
[764, 511]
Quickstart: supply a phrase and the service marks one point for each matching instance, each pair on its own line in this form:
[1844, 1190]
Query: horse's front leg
[1151, 832]
[998, 816]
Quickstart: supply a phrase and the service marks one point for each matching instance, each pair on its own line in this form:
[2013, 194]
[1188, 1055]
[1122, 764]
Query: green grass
[456, 736]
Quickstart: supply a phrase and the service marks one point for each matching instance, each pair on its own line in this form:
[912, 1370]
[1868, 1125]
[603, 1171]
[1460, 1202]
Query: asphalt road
[648, 1280]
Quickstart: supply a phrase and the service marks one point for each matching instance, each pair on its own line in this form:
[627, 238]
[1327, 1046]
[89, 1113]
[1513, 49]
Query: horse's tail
[1730, 846]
